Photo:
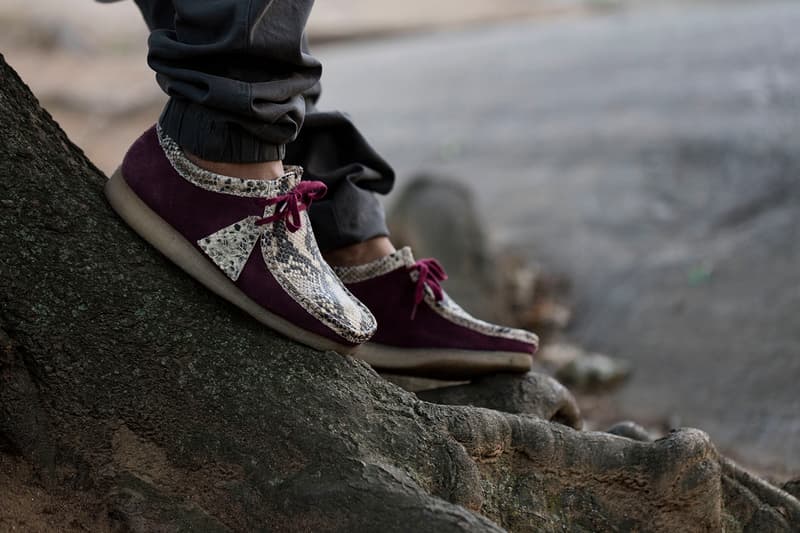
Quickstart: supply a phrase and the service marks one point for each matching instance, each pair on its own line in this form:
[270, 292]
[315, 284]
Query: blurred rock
[588, 372]
[558, 355]
[630, 430]
[537, 300]
[532, 394]
[594, 372]
[548, 314]
[792, 487]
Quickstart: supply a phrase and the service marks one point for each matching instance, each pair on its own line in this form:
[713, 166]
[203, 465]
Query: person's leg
[236, 73]
[420, 329]
[349, 222]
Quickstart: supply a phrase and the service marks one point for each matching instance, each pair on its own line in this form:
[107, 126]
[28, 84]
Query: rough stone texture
[125, 382]
[652, 155]
[792, 487]
[630, 430]
[532, 394]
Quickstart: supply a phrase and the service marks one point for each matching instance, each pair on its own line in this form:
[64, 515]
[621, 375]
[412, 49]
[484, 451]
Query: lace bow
[429, 274]
[230, 247]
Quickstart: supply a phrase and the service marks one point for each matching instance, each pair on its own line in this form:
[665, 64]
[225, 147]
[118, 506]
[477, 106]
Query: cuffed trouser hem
[351, 216]
[210, 136]
[332, 150]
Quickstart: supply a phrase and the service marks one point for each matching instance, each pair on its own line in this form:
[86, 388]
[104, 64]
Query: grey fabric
[243, 87]
[236, 71]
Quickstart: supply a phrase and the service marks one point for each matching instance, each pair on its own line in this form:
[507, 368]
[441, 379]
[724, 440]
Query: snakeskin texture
[379, 267]
[230, 247]
[446, 307]
[293, 258]
[211, 181]
[455, 313]
[295, 261]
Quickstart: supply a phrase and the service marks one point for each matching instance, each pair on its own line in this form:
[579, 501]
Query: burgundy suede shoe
[250, 241]
[421, 331]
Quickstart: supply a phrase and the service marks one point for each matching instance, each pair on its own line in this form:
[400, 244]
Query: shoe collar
[220, 183]
[353, 274]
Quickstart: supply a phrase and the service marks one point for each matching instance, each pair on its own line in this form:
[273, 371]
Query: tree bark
[125, 382]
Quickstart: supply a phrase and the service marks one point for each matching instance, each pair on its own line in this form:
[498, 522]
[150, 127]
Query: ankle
[265, 170]
[360, 253]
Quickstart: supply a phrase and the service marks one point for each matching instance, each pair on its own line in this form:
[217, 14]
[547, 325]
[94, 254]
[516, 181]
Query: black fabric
[243, 87]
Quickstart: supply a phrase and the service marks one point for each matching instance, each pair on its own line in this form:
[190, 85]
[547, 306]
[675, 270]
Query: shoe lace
[430, 273]
[290, 205]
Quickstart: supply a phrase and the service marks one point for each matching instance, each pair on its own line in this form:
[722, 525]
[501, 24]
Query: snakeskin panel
[446, 308]
[295, 261]
[455, 313]
[230, 247]
[353, 274]
[293, 258]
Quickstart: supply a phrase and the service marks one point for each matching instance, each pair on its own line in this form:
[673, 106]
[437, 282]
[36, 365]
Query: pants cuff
[211, 136]
[352, 216]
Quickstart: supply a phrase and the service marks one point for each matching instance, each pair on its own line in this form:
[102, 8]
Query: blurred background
[639, 159]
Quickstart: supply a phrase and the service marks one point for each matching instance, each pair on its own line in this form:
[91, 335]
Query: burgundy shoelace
[430, 273]
[290, 205]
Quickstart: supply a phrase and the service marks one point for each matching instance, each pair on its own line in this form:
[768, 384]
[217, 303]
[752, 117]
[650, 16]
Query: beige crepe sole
[441, 363]
[172, 244]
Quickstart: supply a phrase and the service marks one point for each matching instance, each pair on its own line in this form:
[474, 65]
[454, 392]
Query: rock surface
[652, 156]
[532, 394]
[115, 392]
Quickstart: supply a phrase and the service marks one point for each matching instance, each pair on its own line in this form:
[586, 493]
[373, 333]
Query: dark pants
[243, 88]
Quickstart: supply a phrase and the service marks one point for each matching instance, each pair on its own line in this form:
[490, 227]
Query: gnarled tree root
[124, 381]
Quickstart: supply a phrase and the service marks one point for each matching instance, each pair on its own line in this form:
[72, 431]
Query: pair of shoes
[250, 241]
